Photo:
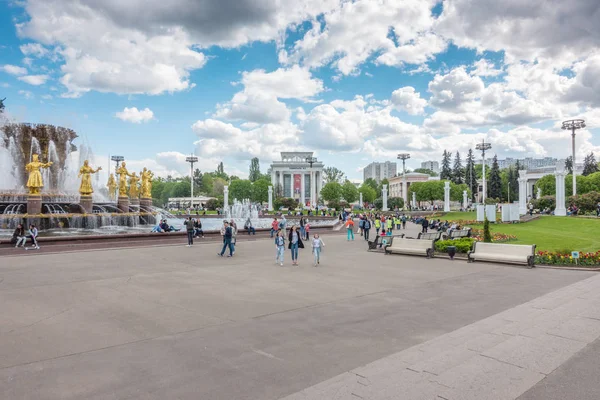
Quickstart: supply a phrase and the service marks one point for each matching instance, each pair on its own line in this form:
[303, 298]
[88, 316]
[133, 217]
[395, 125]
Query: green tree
[197, 181]
[569, 165]
[240, 189]
[456, 191]
[547, 184]
[181, 188]
[457, 170]
[446, 173]
[332, 174]
[589, 164]
[220, 172]
[254, 174]
[470, 177]
[349, 192]
[495, 181]
[369, 194]
[372, 183]
[424, 171]
[332, 191]
[427, 191]
[260, 191]
[487, 236]
[218, 185]
[395, 202]
[207, 183]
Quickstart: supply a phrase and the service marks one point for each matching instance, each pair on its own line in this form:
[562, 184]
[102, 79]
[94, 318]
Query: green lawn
[548, 232]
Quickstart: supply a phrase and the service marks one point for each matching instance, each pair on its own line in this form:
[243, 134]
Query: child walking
[317, 245]
[279, 247]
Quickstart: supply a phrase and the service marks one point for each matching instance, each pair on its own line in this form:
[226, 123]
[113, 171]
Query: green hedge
[463, 245]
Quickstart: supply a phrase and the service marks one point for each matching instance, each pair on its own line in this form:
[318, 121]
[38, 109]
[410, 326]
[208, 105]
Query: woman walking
[317, 245]
[295, 242]
[279, 248]
[350, 228]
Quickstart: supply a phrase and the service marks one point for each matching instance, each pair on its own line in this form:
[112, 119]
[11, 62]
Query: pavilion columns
[522, 192]
[302, 189]
[560, 193]
[446, 196]
[384, 195]
[270, 198]
[405, 192]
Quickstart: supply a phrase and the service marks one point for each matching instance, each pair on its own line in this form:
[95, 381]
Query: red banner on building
[297, 184]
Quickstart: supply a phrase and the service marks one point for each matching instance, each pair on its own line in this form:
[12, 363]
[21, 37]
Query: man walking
[403, 221]
[366, 228]
[189, 227]
[227, 234]
[425, 225]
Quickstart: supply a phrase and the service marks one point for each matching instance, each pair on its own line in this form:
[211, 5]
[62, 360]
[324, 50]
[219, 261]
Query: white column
[312, 189]
[560, 193]
[539, 193]
[281, 183]
[384, 195]
[270, 198]
[319, 184]
[405, 192]
[522, 193]
[302, 189]
[273, 177]
[225, 199]
[414, 199]
[446, 196]
[465, 200]
[360, 199]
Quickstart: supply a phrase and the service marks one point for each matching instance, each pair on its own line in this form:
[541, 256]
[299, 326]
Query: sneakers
[281, 265]
[188, 245]
[220, 255]
[229, 255]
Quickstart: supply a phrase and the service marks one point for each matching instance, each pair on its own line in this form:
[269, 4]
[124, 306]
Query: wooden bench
[383, 241]
[503, 253]
[458, 234]
[435, 236]
[417, 247]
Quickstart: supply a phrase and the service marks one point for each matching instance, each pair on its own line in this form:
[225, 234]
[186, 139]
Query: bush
[378, 203]
[487, 236]
[286, 202]
[213, 204]
[334, 204]
[395, 202]
[463, 245]
[544, 202]
[585, 202]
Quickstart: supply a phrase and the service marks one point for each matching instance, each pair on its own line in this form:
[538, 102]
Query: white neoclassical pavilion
[528, 178]
[297, 178]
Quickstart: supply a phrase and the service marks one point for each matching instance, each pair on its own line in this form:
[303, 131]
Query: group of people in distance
[19, 237]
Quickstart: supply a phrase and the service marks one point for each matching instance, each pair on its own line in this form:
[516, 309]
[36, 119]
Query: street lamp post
[117, 160]
[404, 157]
[483, 146]
[573, 125]
[191, 159]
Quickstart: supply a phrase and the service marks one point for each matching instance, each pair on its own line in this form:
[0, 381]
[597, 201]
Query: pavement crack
[41, 320]
[500, 361]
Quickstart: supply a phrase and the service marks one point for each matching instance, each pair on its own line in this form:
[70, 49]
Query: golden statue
[146, 176]
[123, 174]
[34, 183]
[112, 186]
[134, 191]
[85, 173]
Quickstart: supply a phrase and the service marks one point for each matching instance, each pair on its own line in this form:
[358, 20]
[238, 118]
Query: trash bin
[451, 251]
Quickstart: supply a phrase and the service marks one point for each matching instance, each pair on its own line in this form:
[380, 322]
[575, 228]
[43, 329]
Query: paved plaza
[171, 322]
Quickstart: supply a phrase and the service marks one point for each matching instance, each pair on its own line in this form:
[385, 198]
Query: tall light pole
[117, 160]
[311, 161]
[404, 157]
[573, 125]
[191, 159]
[483, 146]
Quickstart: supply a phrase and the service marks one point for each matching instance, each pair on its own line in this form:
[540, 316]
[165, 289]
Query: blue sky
[355, 81]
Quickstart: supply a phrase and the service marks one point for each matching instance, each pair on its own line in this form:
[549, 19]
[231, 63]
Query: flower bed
[558, 258]
[497, 237]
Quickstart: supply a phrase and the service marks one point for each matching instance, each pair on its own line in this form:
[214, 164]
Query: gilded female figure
[123, 174]
[85, 173]
[112, 186]
[146, 176]
[34, 183]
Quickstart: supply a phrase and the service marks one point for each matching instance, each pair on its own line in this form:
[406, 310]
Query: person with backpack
[283, 224]
[366, 228]
[279, 248]
[350, 228]
[403, 221]
[227, 236]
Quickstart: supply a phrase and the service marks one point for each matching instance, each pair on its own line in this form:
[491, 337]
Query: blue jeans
[294, 249]
[279, 254]
[190, 235]
[227, 243]
[272, 232]
[302, 231]
[317, 253]
[350, 234]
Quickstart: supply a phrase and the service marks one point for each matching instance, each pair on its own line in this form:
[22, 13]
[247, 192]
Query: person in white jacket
[317, 244]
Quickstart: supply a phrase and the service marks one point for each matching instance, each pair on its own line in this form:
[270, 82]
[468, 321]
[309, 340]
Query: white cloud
[35, 80]
[134, 115]
[483, 67]
[524, 30]
[26, 94]
[259, 101]
[400, 32]
[452, 90]
[13, 69]
[34, 49]
[408, 100]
